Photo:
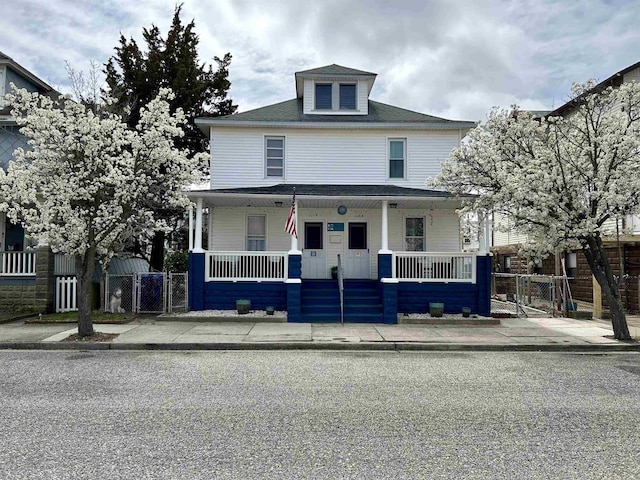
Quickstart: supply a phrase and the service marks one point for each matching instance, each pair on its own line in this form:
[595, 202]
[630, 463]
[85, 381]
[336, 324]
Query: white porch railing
[18, 263]
[254, 266]
[64, 264]
[435, 267]
[66, 294]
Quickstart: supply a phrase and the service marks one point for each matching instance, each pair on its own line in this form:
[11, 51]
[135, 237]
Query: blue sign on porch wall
[335, 227]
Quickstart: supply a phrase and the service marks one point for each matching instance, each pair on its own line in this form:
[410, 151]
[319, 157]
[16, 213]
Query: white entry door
[314, 263]
[357, 264]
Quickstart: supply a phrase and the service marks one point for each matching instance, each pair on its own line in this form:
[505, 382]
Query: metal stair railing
[341, 289]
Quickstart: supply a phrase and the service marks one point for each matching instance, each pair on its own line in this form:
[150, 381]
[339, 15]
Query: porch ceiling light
[393, 205]
[278, 204]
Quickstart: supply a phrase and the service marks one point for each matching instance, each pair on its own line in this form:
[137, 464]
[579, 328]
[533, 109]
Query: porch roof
[326, 196]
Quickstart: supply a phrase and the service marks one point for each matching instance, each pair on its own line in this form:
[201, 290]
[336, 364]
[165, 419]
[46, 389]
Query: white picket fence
[66, 294]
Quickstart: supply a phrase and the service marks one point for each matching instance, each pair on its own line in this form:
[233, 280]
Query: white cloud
[452, 59]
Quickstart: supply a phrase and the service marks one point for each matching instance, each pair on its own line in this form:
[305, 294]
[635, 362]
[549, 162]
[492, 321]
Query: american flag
[290, 226]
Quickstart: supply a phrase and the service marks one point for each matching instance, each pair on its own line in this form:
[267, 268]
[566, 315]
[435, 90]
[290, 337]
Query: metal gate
[146, 293]
[528, 295]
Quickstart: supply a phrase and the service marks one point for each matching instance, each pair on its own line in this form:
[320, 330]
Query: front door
[357, 264]
[314, 264]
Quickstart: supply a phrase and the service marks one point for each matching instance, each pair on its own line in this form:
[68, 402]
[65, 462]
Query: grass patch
[72, 317]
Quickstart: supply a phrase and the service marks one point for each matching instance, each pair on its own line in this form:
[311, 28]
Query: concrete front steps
[321, 301]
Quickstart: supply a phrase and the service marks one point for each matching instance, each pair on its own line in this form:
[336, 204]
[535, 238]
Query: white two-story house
[358, 169]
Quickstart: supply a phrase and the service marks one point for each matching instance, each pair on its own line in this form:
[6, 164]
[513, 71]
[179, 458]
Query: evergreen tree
[134, 77]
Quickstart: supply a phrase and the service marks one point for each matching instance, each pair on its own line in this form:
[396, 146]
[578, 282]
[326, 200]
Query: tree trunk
[85, 265]
[597, 260]
[157, 252]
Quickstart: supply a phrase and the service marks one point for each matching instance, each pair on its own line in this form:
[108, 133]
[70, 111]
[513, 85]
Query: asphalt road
[192, 415]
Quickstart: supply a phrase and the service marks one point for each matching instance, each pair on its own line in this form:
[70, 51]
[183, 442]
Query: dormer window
[335, 96]
[347, 96]
[324, 96]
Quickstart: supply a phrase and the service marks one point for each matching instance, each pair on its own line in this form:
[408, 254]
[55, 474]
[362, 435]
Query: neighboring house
[359, 171]
[26, 272]
[506, 242]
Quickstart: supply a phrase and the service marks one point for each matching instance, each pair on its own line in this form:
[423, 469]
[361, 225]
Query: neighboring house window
[274, 156]
[256, 233]
[347, 96]
[414, 238]
[571, 263]
[323, 96]
[507, 264]
[397, 157]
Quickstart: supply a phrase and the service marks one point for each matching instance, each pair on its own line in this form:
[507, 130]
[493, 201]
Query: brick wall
[19, 294]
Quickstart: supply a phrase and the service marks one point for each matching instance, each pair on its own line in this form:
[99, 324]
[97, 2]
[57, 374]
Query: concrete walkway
[150, 333]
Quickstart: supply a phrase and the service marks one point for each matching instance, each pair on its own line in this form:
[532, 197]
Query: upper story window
[324, 96]
[397, 157]
[274, 156]
[347, 96]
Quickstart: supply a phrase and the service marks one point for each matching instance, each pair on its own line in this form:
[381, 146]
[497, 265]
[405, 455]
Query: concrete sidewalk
[153, 334]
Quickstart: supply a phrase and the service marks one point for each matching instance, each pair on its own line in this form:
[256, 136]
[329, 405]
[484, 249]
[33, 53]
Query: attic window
[323, 96]
[347, 96]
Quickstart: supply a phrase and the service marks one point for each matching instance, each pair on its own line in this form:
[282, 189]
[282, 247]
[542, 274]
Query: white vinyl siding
[504, 234]
[327, 156]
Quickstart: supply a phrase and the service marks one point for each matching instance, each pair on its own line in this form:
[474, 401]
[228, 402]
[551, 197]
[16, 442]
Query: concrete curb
[359, 346]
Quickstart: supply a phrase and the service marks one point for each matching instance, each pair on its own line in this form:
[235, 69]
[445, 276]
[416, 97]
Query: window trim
[424, 232]
[315, 95]
[266, 158]
[405, 160]
[335, 96]
[355, 96]
[246, 231]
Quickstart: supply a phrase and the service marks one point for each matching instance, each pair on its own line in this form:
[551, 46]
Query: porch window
[324, 96]
[256, 233]
[397, 156]
[414, 238]
[274, 156]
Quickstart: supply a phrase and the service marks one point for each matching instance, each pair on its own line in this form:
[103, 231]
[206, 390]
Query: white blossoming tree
[559, 179]
[87, 182]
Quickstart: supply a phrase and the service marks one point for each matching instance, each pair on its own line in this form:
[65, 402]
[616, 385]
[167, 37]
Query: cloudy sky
[451, 58]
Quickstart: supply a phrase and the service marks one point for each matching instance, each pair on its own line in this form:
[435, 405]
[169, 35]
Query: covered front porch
[402, 243]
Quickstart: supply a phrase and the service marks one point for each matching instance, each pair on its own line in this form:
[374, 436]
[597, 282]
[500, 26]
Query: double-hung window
[324, 96]
[397, 157]
[347, 96]
[414, 238]
[256, 233]
[274, 156]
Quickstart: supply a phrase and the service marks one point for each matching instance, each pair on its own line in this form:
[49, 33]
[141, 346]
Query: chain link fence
[146, 293]
[528, 295]
[178, 292]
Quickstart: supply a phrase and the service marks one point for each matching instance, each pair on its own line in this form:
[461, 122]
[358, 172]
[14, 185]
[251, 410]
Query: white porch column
[482, 235]
[385, 229]
[294, 240]
[198, 235]
[488, 237]
[190, 212]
